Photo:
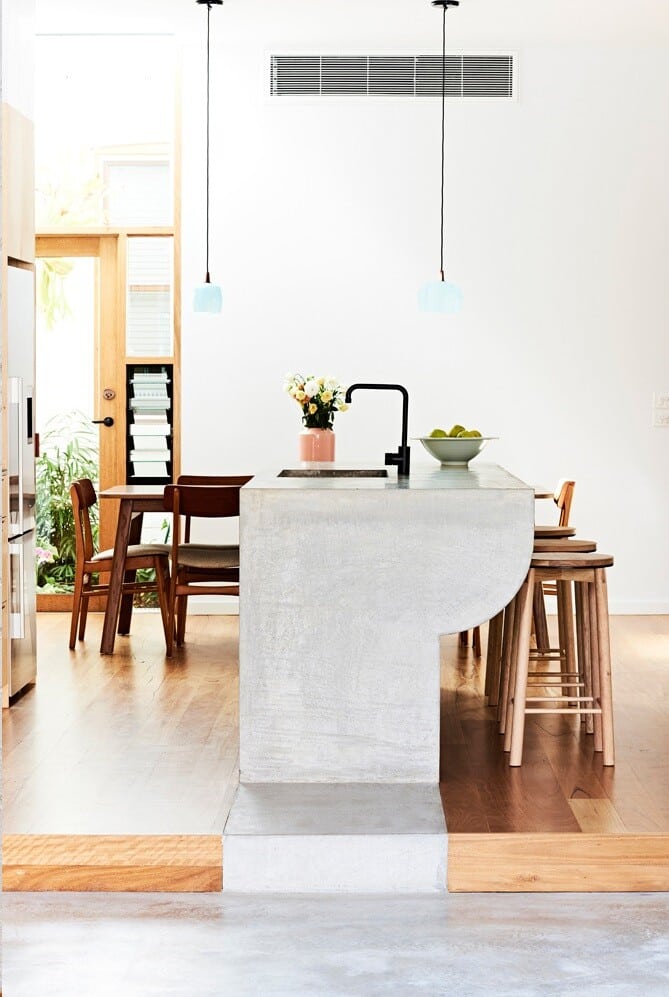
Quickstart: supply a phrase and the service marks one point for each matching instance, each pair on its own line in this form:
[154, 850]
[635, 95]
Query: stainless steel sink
[332, 472]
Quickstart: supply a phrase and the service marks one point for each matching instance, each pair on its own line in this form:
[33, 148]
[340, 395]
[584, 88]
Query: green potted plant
[69, 450]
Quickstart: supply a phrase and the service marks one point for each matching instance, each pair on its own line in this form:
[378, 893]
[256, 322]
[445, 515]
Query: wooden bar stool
[563, 497]
[588, 572]
[499, 632]
[572, 673]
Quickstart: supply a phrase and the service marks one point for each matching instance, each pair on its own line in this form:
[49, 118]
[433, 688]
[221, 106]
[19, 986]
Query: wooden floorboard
[121, 863]
[129, 743]
[107, 754]
[560, 863]
[562, 777]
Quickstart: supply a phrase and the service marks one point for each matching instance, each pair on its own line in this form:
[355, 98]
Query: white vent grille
[408, 75]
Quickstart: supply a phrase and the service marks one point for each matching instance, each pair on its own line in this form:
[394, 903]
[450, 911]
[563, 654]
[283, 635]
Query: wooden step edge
[554, 862]
[113, 863]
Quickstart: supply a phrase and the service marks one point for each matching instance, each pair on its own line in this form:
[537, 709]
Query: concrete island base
[346, 585]
[349, 837]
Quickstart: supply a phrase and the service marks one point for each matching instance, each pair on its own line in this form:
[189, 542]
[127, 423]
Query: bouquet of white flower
[318, 397]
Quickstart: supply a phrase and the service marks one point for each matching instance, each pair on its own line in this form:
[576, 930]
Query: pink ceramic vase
[317, 445]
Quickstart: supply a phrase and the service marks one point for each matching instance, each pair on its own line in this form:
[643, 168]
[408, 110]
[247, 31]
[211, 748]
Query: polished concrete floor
[217, 945]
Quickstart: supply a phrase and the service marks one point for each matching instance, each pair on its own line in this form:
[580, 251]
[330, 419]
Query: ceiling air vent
[404, 75]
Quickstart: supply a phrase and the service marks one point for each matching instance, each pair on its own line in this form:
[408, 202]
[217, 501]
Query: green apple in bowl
[455, 448]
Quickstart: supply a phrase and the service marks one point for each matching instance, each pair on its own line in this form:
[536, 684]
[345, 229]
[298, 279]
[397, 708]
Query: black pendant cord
[207, 278]
[443, 135]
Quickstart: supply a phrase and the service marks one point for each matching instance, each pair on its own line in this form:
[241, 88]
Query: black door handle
[107, 421]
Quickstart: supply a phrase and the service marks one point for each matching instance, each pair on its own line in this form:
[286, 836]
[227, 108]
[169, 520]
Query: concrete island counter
[346, 585]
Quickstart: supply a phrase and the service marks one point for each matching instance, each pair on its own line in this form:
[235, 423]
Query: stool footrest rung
[560, 699]
[576, 710]
[556, 685]
[555, 675]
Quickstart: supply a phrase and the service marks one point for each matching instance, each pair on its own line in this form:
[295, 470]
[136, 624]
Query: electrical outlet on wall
[661, 418]
[661, 401]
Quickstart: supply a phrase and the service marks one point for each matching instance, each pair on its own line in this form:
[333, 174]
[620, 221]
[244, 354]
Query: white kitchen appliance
[21, 469]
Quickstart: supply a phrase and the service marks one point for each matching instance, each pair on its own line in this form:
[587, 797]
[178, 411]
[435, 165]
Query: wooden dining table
[134, 500]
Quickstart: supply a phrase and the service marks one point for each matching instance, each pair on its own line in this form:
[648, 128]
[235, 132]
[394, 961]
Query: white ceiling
[396, 23]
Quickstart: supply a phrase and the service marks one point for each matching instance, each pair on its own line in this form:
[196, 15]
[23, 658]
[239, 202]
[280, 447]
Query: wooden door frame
[109, 248]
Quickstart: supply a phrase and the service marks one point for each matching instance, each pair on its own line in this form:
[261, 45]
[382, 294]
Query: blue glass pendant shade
[208, 298]
[440, 296]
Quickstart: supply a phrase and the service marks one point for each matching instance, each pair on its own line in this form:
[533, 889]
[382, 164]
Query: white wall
[325, 223]
[18, 21]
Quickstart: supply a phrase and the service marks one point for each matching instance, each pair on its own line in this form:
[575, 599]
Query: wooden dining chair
[562, 497]
[231, 480]
[199, 569]
[89, 563]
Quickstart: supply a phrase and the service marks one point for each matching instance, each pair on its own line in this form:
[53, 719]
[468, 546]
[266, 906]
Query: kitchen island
[346, 585]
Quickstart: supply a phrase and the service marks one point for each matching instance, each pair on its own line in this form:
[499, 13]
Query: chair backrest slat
[564, 494]
[214, 479]
[205, 501]
[83, 498]
[231, 480]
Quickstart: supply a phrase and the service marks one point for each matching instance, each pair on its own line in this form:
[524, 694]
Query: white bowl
[454, 450]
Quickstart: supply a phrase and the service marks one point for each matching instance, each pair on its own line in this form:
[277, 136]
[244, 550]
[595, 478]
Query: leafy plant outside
[69, 450]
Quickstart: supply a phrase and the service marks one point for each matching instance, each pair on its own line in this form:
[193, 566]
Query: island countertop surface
[480, 477]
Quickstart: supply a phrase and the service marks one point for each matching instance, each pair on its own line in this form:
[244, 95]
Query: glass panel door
[65, 378]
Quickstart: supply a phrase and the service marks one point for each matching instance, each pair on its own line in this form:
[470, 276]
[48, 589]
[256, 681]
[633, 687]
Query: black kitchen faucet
[401, 458]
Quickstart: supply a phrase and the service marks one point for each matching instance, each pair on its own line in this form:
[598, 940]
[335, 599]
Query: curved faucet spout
[401, 458]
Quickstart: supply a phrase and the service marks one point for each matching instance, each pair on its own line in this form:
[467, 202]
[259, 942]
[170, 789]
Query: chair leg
[182, 611]
[566, 604]
[476, 641]
[171, 610]
[603, 667]
[83, 617]
[513, 666]
[585, 668]
[163, 584]
[507, 645]
[580, 644]
[464, 638]
[594, 660]
[125, 615]
[494, 653]
[76, 608]
[522, 660]
[540, 621]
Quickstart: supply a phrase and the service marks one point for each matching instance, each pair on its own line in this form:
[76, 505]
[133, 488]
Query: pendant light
[441, 295]
[208, 297]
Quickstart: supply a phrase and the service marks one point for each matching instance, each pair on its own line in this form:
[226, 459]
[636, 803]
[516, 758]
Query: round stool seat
[553, 532]
[566, 545]
[569, 560]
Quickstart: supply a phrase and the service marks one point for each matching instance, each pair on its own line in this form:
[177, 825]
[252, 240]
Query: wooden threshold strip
[561, 863]
[114, 863]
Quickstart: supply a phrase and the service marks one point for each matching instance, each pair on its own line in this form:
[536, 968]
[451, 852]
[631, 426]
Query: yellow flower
[313, 409]
[299, 396]
[326, 397]
[343, 407]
